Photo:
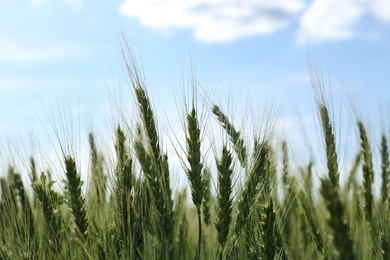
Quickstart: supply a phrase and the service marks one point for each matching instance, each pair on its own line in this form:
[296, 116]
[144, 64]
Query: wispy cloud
[223, 21]
[215, 20]
[335, 20]
[16, 51]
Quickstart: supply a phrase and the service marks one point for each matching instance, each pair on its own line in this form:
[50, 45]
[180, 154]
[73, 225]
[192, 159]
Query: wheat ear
[194, 172]
[368, 171]
[224, 197]
[235, 136]
[206, 196]
[76, 200]
[385, 169]
[330, 146]
[252, 186]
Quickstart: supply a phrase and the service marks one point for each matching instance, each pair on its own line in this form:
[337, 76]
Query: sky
[62, 59]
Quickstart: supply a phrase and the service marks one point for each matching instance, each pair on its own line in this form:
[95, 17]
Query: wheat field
[135, 213]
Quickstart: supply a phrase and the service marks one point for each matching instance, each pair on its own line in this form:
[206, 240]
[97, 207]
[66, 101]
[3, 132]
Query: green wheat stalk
[148, 121]
[33, 170]
[368, 171]
[159, 160]
[76, 200]
[385, 169]
[285, 163]
[235, 136]
[194, 172]
[224, 198]
[206, 196]
[98, 187]
[336, 222]
[330, 146]
[352, 174]
[252, 187]
[50, 201]
[165, 215]
[123, 194]
[271, 245]
[385, 232]
[141, 223]
[25, 204]
[312, 220]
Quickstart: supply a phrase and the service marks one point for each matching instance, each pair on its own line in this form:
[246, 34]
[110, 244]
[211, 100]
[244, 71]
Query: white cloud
[227, 20]
[215, 20]
[334, 19]
[15, 51]
[380, 9]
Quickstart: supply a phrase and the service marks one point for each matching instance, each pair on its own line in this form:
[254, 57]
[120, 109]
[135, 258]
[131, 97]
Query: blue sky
[67, 52]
